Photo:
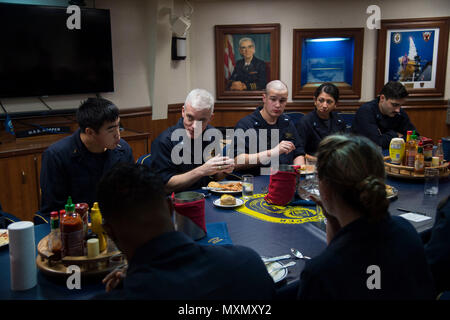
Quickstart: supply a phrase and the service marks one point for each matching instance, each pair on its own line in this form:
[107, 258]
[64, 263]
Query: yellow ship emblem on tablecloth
[258, 208]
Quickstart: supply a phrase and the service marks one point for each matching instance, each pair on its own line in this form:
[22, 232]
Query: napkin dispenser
[22, 255]
[189, 214]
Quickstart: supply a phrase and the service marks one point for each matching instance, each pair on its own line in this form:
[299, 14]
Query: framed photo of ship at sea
[327, 55]
[414, 52]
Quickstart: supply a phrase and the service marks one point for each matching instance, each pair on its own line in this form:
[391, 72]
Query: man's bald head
[276, 85]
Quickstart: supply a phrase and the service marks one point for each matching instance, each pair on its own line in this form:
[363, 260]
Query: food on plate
[231, 186]
[389, 191]
[227, 200]
[307, 168]
[4, 237]
[214, 184]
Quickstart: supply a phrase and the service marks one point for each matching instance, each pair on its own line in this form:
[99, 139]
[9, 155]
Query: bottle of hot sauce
[82, 209]
[405, 157]
[440, 152]
[72, 231]
[419, 160]
[54, 238]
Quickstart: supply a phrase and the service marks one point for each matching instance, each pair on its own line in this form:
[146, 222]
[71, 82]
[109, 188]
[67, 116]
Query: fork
[290, 264]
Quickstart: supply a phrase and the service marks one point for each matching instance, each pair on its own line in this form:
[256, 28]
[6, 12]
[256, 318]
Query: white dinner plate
[225, 191]
[278, 275]
[4, 239]
[394, 195]
[239, 202]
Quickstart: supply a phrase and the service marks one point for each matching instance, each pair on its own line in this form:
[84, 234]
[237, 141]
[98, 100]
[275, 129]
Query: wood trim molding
[133, 112]
[174, 108]
[343, 105]
[247, 106]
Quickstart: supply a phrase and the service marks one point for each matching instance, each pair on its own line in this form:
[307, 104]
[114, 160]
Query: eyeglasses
[247, 47]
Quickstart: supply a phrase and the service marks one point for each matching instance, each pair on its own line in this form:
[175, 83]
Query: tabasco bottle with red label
[419, 160]
[71, 232]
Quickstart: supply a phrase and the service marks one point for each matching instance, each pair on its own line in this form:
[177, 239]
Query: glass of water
[309, 185]
[431, 186]
[247, 186]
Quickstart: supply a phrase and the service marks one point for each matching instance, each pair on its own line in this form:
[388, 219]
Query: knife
[412, 211]
[286, 256]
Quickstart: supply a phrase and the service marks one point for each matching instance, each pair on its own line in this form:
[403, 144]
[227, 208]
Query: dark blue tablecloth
[48, 287]
[266, 238]
[411, 197]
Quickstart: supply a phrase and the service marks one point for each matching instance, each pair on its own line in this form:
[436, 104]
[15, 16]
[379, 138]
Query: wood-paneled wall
[428, 116]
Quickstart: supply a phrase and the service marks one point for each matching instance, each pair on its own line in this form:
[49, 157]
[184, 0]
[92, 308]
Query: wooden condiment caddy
[400, 171]
[104, 263]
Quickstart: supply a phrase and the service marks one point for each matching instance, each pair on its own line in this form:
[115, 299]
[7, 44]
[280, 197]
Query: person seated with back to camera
[323, 121]
[437, 248]
[370, 254]
[165, 264]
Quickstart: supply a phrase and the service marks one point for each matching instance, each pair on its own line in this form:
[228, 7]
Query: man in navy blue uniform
[281, 143]
[164, 264]
[74, 165]
[250, 72]
[323, 121]
[383, 118]
[180, 154]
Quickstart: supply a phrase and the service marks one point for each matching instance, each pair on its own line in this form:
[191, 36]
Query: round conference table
[265, 237]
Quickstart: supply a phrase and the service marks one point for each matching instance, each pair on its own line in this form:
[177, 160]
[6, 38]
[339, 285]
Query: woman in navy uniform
[370, 254]
[323, 121]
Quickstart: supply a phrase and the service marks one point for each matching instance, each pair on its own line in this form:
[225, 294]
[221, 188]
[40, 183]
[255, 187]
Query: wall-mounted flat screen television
[40, 55]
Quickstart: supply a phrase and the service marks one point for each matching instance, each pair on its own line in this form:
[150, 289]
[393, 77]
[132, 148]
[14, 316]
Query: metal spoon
[273, 259]
[298, 254]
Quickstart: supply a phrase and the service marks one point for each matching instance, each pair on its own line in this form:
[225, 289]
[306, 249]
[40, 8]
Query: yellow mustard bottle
[397, 150]
[96, 226]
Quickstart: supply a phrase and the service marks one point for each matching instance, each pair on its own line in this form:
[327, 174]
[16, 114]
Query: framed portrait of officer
[247, 58]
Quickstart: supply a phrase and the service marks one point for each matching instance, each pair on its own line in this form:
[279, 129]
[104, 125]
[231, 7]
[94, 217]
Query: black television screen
[40, 56]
